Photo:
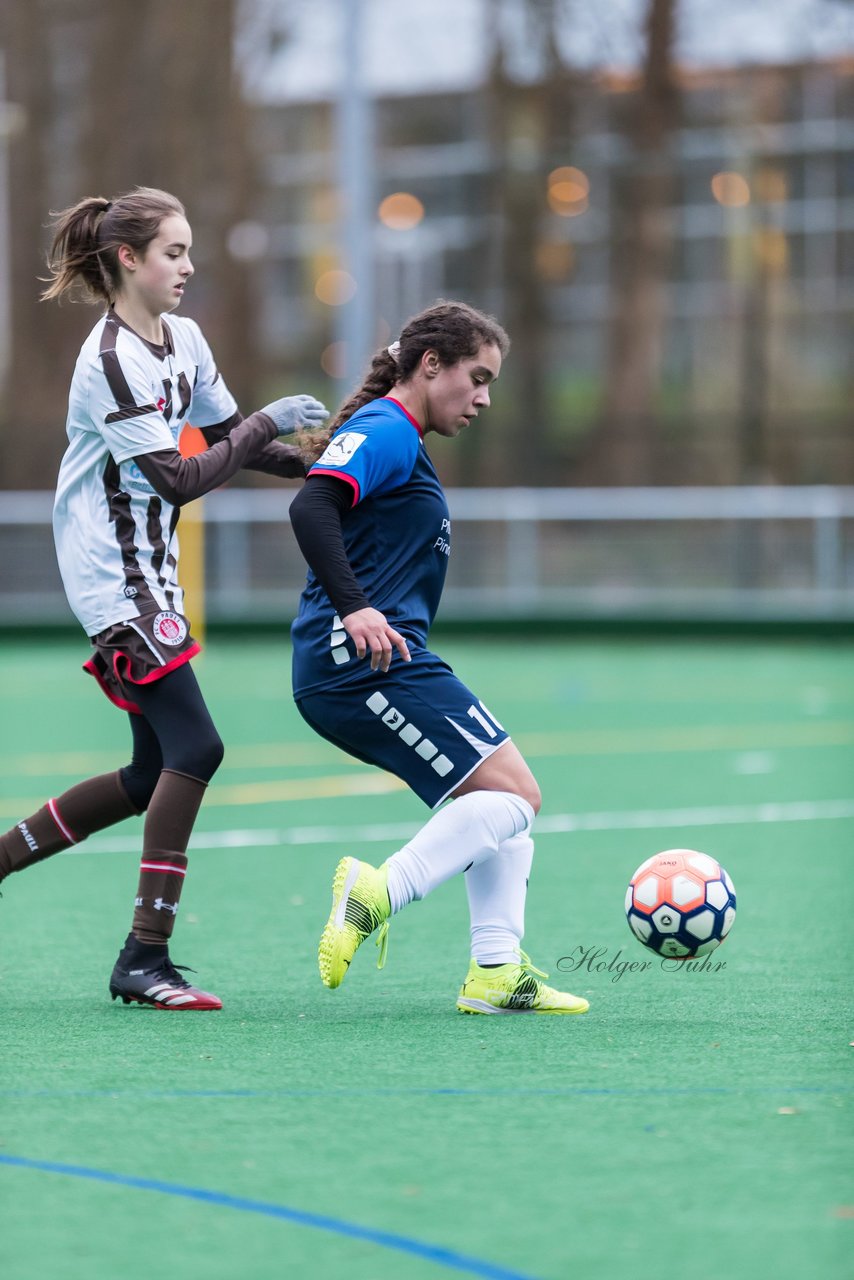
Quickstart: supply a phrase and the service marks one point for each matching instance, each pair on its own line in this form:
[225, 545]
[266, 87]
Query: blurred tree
[530, 103]
[33, 401]
[621, 449]
[133, 93]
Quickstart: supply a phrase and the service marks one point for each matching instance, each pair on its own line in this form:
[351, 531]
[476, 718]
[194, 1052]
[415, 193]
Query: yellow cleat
[359, 906]
[513, 988]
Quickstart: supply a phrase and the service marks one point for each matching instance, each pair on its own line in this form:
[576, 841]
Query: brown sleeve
[277, 459]
[220, 430]
[179, 480]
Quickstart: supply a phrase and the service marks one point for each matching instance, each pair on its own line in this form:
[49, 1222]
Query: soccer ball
[681, 903]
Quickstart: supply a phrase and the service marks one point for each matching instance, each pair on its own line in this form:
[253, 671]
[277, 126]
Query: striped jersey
[116, 538]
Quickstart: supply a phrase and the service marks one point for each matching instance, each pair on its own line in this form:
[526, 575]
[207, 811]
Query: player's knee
[506, 770]
[199, 757]
[531, 792]
[210, 755]
[523, 783]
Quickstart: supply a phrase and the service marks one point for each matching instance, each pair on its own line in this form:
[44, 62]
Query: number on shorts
[486, 720]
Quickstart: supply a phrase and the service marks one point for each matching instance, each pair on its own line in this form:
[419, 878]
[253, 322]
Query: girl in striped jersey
[138, 381]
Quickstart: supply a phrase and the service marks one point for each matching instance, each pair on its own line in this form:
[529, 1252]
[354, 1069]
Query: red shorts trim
[122, 665]
[109, 689]
[138, 652]
[91, 669]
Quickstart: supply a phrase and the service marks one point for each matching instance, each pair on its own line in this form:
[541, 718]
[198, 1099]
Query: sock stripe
[168, 867]
[54, 813]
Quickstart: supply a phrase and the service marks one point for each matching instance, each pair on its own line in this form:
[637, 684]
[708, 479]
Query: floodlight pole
[356, 322]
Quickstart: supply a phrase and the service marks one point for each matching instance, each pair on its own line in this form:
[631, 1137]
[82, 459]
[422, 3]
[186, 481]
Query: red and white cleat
[160, 985]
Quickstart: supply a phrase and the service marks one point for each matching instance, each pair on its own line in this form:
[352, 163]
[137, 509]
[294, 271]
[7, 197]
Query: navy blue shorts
[416, 720]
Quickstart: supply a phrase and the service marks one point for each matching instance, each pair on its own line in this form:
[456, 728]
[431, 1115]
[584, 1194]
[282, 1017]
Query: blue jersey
[397, 537]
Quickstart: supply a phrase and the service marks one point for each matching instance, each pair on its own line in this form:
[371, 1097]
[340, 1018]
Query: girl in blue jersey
[373, 524]
[122, 481]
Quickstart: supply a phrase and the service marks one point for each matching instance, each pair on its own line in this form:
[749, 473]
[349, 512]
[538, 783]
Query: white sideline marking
[548, 824]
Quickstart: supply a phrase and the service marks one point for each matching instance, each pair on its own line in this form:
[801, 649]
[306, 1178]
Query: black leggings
[175, 731]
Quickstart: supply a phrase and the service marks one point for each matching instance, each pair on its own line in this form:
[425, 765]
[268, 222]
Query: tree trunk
[178, 122]
[34, 400]
[130, 93]
[621, 451]
[525, 119]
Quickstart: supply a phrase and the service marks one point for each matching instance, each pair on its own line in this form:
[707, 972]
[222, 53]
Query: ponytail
[87, 236]
[73, 258]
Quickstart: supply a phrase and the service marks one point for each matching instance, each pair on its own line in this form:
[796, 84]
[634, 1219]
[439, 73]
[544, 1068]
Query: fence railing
[743, 553]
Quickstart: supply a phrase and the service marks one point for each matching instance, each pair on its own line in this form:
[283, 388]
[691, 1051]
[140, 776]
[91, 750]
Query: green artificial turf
[693, 1122]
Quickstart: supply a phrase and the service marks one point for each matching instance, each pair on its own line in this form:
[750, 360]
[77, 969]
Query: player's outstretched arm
[296, 413]
[180, 480]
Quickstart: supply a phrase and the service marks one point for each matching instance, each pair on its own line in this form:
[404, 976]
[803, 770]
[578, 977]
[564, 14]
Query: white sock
[496, 891]
[468, 830]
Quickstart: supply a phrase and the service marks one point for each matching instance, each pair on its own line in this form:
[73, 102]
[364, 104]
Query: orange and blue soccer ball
[680, 903]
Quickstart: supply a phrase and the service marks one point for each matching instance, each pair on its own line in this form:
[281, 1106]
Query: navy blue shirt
[397, 537]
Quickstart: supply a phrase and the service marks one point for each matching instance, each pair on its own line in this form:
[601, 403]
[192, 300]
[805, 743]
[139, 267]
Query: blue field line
[403, 1244]
[580, 1091]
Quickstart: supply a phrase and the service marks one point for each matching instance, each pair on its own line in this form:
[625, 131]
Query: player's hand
[369, 630]
[296, 413]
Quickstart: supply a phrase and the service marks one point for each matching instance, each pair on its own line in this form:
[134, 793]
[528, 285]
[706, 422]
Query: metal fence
[699, 554]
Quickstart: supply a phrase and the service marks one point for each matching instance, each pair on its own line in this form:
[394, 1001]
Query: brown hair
[87, 236]
[453, 330]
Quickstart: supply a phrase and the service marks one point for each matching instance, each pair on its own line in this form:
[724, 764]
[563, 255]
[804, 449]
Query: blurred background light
[555, 259]
[335, 288]
[333, 360]
[248, 241]
[568, 191]
[730, 189]
[401, 211]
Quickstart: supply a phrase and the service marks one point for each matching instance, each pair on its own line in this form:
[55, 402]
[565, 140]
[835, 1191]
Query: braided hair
[454, 330]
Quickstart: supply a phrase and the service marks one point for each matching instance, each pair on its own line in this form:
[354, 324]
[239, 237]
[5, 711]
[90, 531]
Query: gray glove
[296, 413]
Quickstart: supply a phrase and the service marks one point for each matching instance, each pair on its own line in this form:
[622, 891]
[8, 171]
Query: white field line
[547, 824]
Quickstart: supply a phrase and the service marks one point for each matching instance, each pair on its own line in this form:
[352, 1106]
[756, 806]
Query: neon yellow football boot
[359, 906]
[513, 988]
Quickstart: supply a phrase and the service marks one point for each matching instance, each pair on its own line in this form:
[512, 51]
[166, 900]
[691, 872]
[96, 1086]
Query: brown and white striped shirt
[115, 536]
